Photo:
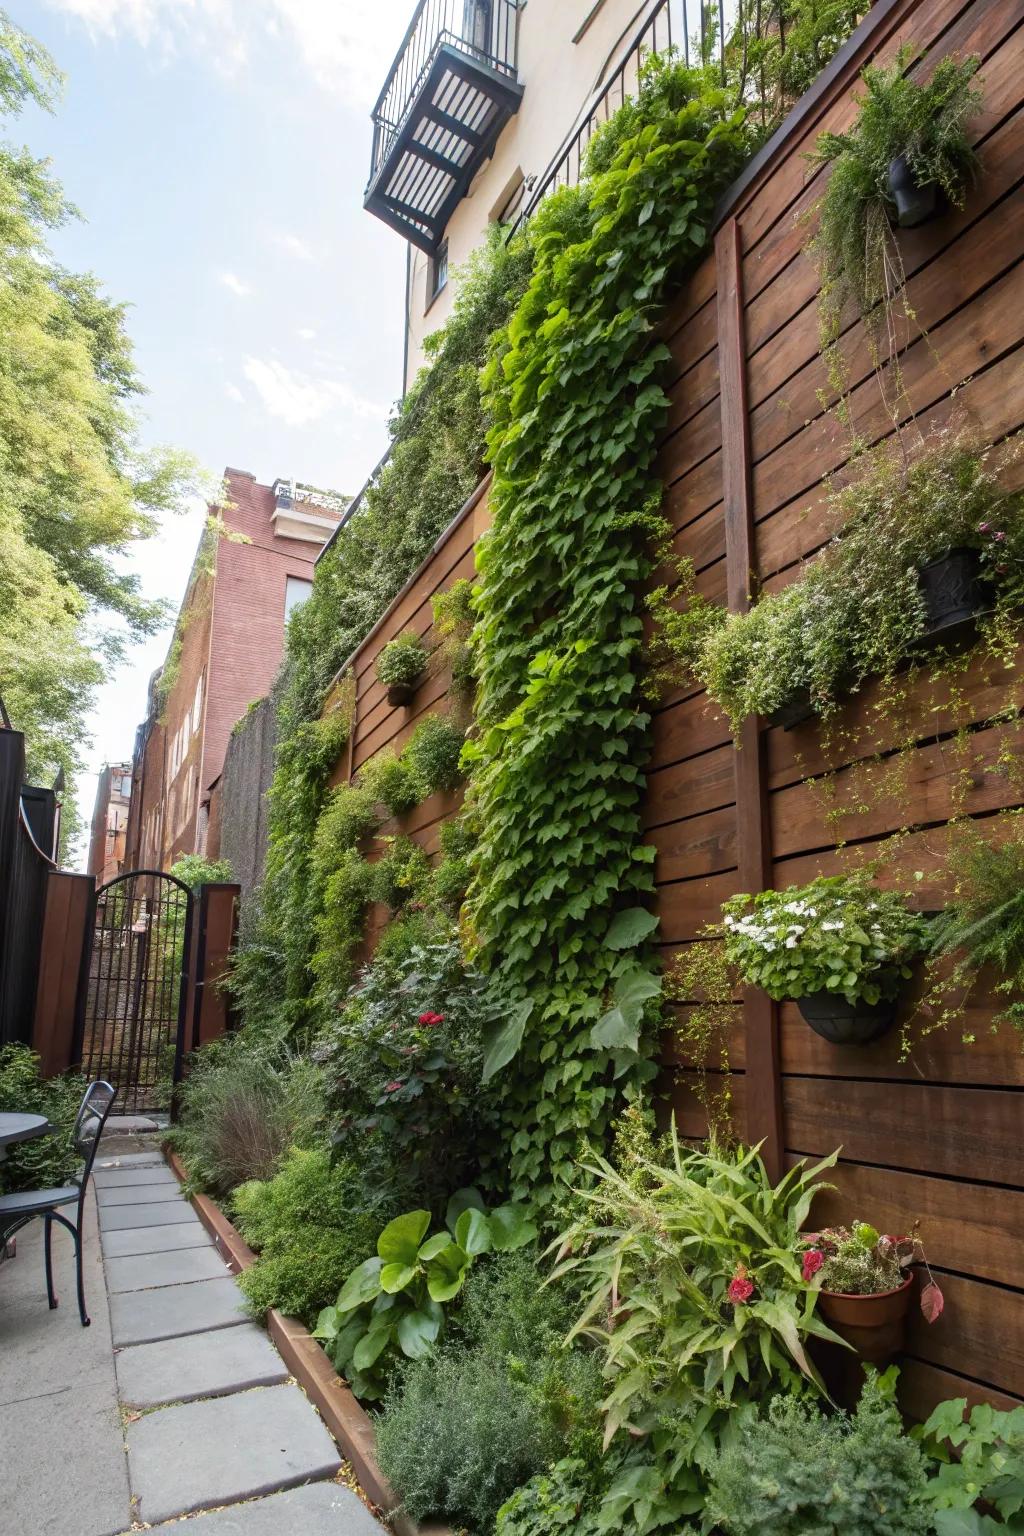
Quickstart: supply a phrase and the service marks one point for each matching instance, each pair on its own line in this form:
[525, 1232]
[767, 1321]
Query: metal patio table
[15, 1128]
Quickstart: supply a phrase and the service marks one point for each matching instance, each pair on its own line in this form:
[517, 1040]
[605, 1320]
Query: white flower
[791, 943]
[832, 927]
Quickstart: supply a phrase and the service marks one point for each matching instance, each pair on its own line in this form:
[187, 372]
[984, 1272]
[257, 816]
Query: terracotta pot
[844, 1023]
[399, 694]
[874, 1325]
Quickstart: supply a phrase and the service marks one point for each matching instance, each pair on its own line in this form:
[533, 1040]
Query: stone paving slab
[319, 1509]
[179, 1234]
[122, 1178]
[141, 1317]
[137, 1194]
[224, 1449]
[136, 1159]
[114, 1218]
[146, 1271]
[198, 1365]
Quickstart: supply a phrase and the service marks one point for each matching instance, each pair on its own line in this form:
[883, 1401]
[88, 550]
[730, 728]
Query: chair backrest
[89, 1123]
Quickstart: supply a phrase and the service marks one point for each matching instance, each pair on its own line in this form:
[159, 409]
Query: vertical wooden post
[753, 832]
[212, 942]
[67, 922]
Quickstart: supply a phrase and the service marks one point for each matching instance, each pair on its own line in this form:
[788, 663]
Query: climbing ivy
[575, 390]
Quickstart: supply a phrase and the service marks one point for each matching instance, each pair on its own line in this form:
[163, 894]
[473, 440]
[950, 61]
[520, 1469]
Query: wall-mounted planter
[955, 594]
[914, 204]
[844, 1023]
[875, 1325]
[400, 694]
[795, 711]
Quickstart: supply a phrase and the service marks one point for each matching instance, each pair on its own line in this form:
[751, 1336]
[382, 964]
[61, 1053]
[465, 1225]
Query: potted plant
[400, 666]
[955, 593]
[907, 150]
[838, 947]
[864, 1285]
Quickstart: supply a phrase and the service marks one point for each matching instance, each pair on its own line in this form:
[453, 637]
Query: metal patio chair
[16, 1211]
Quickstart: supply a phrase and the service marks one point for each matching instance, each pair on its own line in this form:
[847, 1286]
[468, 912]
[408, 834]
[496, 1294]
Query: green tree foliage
[576, 395]
[76, 488]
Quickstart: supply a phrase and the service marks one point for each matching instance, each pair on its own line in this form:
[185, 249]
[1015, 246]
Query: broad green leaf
[362, 1285]
[473, 1232]
[434, 1245]
[461, 1201]
[395, 1277]
[417, 1331]
[327, 1323]
[370, 1348]
[630, 928]
[511, 1227]
[446, 1273]
[503, 1039]
[400, 1240]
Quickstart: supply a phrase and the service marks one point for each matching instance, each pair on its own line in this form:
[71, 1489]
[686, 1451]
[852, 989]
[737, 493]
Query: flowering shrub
[838, 934]
[403, 1066]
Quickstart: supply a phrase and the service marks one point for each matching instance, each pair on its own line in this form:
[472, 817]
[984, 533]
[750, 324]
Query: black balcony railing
[450, 92]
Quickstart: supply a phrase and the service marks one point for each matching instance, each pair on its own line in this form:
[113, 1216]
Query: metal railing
[735, 38]
[485, 30]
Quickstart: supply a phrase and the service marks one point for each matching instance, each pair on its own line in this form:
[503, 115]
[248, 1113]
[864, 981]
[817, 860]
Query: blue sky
[218, 150]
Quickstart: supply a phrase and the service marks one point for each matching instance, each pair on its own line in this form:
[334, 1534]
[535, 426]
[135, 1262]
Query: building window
[437, 272]
[197, 703]
[296, 590]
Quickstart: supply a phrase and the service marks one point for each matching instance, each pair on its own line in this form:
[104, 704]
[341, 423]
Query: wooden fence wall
[937, 1137]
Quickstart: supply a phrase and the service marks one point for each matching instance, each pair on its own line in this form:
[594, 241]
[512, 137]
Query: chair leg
[83, 1314]
[51, 1298]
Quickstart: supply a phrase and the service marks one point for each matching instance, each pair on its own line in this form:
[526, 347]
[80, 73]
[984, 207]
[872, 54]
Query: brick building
[110, 822]
[254, 564]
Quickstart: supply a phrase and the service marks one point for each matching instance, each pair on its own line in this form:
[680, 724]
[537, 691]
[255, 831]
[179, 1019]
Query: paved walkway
[172, 1402]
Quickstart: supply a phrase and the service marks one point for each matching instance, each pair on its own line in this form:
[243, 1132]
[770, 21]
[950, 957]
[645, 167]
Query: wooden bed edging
[349, 1423]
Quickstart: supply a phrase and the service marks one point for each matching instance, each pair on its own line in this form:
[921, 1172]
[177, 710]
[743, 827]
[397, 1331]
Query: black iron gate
[132, 1013]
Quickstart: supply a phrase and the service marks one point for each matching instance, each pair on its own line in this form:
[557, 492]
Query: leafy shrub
[194, 870]
[453, 623]
[339, 924]
[840, 934]
[433, 753]
[244, 1102]
[392, 1306]
[797, 1473]
[402, 661]
[976, 1457]
[308, 1224]
[400, 874]
[695, 1294]
[403, 1065]
[349, 816]
[858, 610]
[391, 780]
[48, 1162]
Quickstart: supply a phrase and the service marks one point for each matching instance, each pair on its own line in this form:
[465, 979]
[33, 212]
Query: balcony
[451, 90]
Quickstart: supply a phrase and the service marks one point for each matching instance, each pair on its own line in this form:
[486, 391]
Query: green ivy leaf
[630, 928]
[502, 1040]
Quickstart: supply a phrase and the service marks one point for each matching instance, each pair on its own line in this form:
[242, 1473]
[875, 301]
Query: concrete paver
[140, 1317]
[198, 1365]
[223, 1449]
[135, 1194]
[319, 1509]
[177, 1234]
[145, 1271]
[152, 1214]
[121, 1178]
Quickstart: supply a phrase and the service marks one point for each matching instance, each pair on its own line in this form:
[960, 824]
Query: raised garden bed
[348, 1422]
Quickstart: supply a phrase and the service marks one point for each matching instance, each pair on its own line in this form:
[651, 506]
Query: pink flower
[741, 1288]
[392, 1087]
[984, 527]
[999, 537]
[813, 1260]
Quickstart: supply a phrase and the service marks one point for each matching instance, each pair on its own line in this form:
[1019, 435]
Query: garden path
[174, 1402]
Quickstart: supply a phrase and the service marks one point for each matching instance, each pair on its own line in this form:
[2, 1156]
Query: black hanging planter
[844, 1023]
[955, 593]
[399, 694]
[914, 204]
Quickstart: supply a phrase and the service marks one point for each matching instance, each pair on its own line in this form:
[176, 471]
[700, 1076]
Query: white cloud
[298, 398]
[300, 249]
[238, 287]
[345, 45]
[234, 393]
[306, 333]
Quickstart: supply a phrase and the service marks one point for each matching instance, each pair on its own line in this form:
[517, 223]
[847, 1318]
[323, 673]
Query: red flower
[392, 1087]
[741, 1288]
[429, 1018]
[813, 1260]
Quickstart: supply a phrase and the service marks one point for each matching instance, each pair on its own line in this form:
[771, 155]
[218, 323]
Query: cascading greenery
[574, 387]
[436, 460]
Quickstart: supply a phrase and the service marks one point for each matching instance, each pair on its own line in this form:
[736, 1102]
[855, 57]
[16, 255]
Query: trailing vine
[575, 391]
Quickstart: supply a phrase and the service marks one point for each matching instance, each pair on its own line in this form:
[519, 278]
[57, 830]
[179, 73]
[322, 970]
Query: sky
[218, 151]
